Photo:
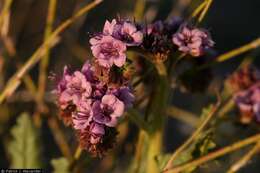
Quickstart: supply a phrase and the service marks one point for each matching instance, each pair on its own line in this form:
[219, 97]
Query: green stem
[157, 118]
[154, 149]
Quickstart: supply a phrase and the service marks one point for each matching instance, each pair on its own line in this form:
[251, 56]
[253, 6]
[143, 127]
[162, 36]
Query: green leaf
[204, 144]
[60, 165]
[24, 148]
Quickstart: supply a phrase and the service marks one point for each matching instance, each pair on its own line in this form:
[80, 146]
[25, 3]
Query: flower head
[125, 95]
[156, 40]
[108, 51]
[244, 78]
[91, 106]
[248, 102]
[108, 110]
[192, 41]
[76, 88]
[125, 31]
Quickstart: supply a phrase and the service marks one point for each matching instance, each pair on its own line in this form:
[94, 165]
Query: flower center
[107, 110]
[108, 50]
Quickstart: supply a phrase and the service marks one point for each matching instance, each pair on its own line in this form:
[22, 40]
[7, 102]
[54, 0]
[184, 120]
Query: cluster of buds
[93, 99]
[246, 85]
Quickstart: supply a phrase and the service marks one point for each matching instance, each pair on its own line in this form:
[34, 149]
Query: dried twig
[244, 160]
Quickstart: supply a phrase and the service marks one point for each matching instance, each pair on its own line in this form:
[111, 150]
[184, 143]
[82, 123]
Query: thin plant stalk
[4, 12]
[233, 53]
[198, 10]
[205, 10]
[77, 153]
[245, 159]
[45, 60]
[252, 45]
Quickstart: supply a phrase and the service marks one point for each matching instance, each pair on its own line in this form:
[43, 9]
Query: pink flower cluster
[246, 85]
[160, 38]
[109, 47]
[248, 102]
[93, 99]
[192, 41]
[97, 106]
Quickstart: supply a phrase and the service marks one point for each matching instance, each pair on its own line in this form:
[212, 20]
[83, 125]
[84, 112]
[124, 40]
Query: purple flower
[108, 51]
[72, 88]
[155, 28]
[62, 83]
[124, 31]
[129, 34]
[248, 102]
[157, 41]
[81, 118]
[125, 95]
[243, 78]
[108, 110]
[109, 27]
[88, 71]
[192, 41]
[93, 106]
[97, 131]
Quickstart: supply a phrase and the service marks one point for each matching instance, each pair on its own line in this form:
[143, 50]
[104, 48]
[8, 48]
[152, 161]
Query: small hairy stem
[215, 154]
[15, 80]
[192, 137]
[244, 160]
[45, 60]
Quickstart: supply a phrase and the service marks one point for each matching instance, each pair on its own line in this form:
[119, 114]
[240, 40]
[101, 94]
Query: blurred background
[232, 23]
